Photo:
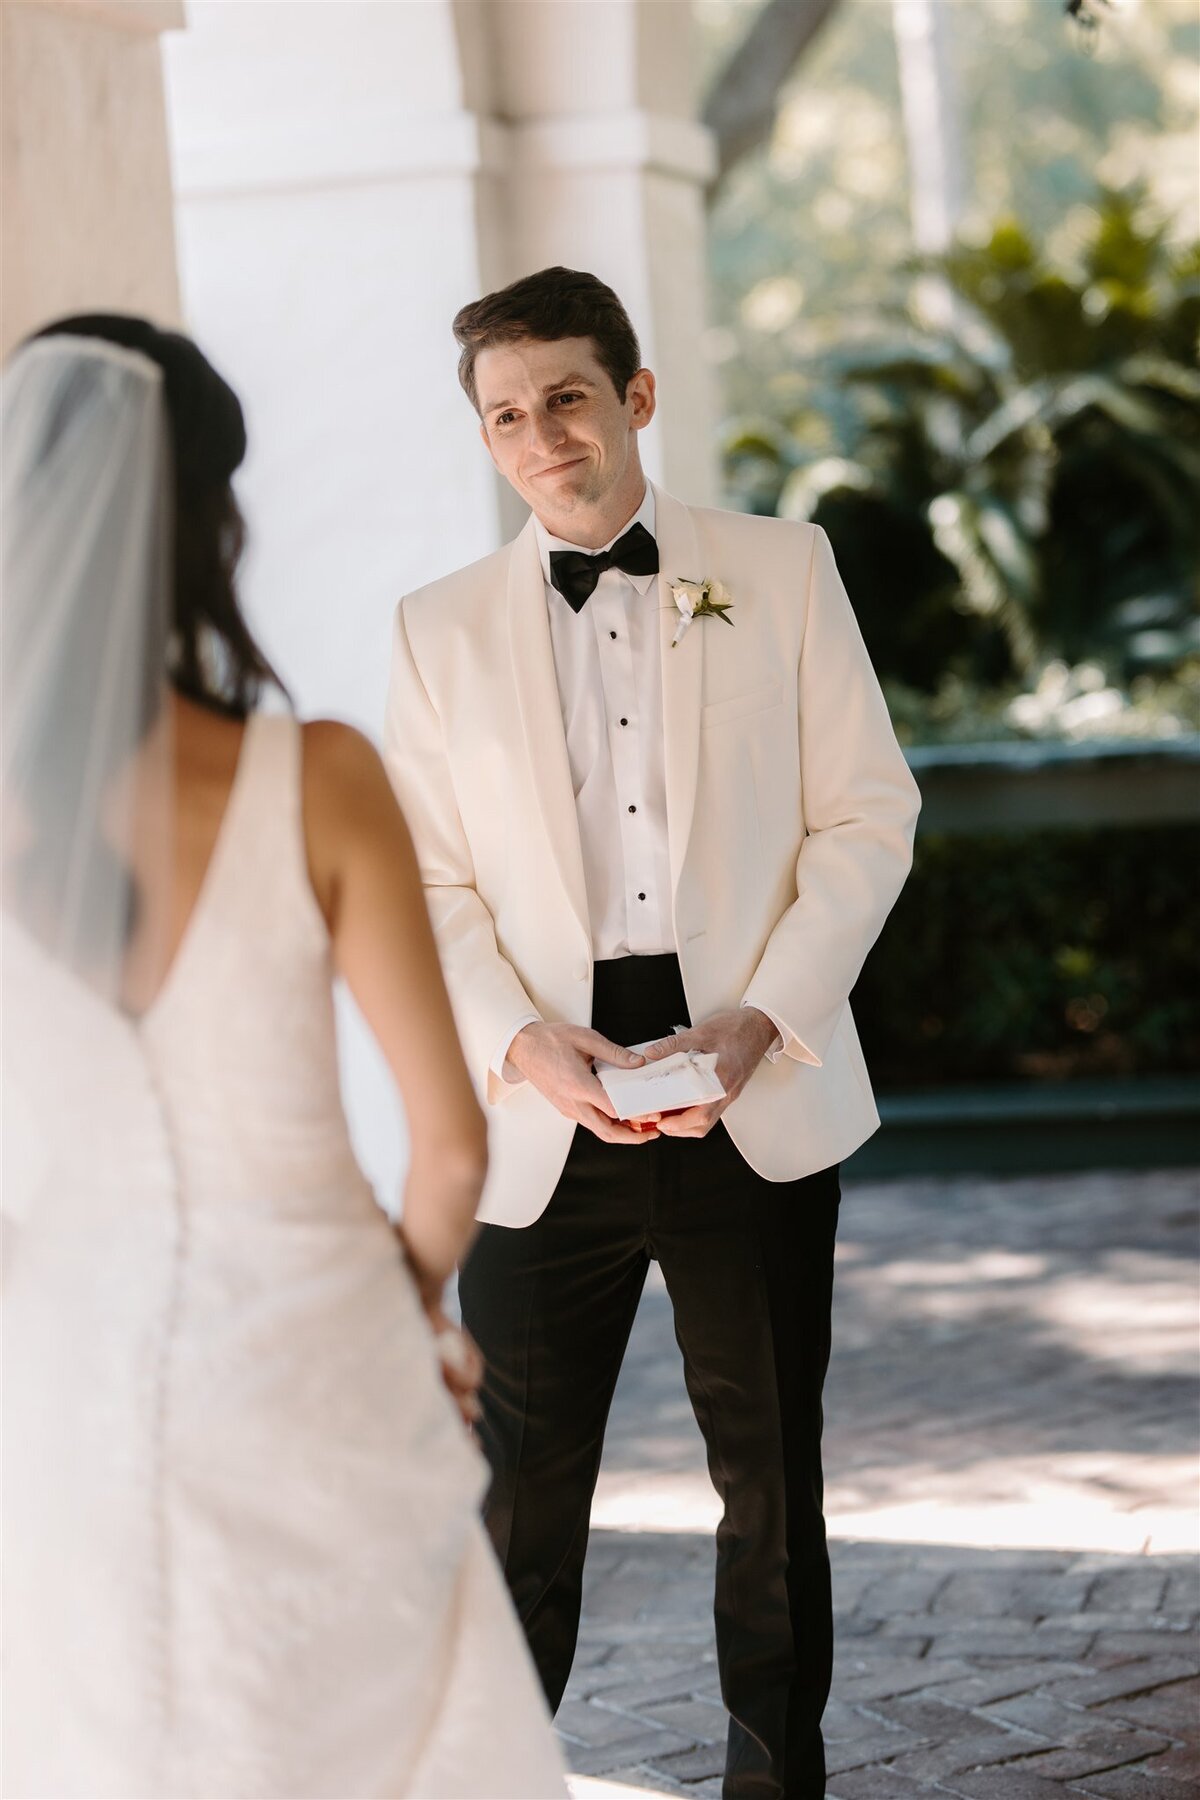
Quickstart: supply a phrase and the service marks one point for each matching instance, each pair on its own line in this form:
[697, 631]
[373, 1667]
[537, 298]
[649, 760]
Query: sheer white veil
[85, 538]
[85, 755]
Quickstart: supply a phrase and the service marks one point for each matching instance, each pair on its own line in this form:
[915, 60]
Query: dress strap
[270, 853]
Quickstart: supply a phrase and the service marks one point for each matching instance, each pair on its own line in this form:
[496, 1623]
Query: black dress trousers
[748, 1264]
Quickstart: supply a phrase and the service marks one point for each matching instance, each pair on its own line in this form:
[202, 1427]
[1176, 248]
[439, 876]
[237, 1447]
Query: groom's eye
[561, 397]
[506, 418]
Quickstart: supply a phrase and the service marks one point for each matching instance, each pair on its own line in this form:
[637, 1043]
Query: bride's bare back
[364, 876]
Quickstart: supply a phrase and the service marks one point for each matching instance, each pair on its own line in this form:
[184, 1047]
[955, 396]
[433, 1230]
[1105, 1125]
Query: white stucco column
[327, 176]
[607, 168]
[86, 185]
[326, 182]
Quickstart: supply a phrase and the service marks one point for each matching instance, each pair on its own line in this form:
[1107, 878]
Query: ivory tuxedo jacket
[790, 815]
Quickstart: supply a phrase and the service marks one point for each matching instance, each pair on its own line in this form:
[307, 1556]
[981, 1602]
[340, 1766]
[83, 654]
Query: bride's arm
[364, 874]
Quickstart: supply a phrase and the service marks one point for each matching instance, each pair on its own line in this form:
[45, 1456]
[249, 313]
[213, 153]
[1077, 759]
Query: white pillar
[929, 91]
[937, 176]
[325, 179]
[86, 190]
[608, 169]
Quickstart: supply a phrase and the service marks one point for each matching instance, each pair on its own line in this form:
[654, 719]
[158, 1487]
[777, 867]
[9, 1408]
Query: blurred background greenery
[956, 310]
[1067, 954]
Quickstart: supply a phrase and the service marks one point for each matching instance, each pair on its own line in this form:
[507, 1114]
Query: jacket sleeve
[489, 1000]
[860, 811]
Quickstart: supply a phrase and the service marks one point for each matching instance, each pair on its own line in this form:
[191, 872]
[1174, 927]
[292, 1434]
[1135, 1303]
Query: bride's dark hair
[214, 658]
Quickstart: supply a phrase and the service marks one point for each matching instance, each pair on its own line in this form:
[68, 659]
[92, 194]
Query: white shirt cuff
[787, 1043]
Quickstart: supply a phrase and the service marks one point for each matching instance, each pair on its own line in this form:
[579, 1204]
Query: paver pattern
[1011, 1465]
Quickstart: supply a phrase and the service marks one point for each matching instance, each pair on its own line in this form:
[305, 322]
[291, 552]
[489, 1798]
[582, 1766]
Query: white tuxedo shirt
[790, 813]
[608, 666]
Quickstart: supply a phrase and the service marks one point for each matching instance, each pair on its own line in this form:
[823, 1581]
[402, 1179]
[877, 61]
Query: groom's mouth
[557, 468]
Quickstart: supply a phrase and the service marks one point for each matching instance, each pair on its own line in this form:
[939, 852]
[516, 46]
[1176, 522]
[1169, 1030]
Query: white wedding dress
[242, 1549]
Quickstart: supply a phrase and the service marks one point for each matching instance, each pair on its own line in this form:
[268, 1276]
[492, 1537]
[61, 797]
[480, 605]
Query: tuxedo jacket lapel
[541, 715]
[682, 672]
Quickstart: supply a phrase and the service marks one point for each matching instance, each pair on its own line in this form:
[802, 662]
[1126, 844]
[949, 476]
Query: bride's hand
[462, 1365]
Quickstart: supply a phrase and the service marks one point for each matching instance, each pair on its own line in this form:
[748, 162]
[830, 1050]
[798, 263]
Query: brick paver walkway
[1011, 1461]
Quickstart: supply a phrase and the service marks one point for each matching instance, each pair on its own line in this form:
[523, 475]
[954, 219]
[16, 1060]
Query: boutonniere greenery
[699, 600]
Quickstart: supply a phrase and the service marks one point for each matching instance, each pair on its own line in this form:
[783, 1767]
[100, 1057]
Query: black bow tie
[575, 574]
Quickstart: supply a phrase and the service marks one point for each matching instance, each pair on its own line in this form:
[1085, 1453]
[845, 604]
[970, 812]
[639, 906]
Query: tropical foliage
[1015, 494]
[1044, 587]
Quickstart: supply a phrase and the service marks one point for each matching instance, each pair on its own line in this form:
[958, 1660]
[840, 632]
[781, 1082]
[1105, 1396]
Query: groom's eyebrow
[554, 387]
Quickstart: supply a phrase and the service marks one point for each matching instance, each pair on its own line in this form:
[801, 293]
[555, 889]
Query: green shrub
[1050, 955]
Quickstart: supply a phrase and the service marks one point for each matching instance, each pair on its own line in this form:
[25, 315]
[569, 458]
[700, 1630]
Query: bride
[242, 1555]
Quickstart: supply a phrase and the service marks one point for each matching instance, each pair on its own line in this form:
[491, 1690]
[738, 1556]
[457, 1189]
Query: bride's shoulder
[332, 742]
[339, 763]
[349, 809]
[353, 827]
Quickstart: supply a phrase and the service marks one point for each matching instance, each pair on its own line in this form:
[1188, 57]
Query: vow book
[689, 1078]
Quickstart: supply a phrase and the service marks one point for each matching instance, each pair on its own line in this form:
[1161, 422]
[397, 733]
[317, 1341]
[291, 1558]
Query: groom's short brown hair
[554, 303]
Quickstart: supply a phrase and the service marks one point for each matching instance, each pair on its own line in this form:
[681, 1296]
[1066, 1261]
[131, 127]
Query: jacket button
[581, 971]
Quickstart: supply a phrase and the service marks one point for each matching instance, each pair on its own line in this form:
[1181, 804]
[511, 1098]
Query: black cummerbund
[635, 998]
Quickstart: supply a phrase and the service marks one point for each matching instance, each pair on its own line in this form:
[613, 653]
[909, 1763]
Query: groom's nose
[546, 431]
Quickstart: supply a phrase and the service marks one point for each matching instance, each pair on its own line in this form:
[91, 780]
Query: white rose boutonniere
[699, 600]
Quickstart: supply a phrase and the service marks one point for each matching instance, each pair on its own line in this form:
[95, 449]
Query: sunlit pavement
[1012, 1495]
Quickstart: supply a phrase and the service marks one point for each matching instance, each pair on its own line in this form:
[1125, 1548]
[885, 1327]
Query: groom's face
[558, 431]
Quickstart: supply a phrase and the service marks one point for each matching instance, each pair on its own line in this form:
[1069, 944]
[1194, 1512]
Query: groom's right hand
[558, 1060]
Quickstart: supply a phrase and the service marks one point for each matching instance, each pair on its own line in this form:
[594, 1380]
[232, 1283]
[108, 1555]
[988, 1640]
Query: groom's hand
[558, 1059]
[741, 1038]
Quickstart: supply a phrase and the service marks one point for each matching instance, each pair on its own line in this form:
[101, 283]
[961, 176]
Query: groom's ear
[641, 398]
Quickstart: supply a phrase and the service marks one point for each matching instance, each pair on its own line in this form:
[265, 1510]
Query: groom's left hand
[741, 1038]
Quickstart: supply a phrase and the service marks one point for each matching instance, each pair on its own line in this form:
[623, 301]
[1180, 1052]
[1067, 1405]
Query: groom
[629, 835]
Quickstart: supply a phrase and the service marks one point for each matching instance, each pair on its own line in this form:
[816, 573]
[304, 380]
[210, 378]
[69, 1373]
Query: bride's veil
[85, 613]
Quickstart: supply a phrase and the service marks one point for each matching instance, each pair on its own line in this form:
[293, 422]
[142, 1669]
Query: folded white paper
[689, 1078]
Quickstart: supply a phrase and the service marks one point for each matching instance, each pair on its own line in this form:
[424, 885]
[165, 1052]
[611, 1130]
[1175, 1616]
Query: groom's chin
[569, 494]
[564, 489]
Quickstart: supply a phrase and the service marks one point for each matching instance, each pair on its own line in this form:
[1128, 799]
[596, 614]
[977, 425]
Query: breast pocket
[739, 706]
